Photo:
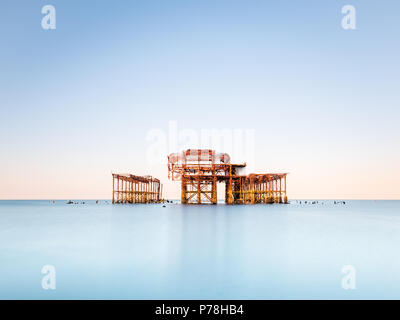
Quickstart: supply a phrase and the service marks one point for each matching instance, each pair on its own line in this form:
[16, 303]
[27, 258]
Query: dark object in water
[97, 201]
[69, 202]
[164, 206]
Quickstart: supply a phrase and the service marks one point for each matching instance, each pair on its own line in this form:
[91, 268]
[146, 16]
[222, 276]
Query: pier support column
[183, 191]
[286, 199]
[113, 189]
[252, 191]
[118, 193]
[214, 191]
[198, 191]
[228, 192]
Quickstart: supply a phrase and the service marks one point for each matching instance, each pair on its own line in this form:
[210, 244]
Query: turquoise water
[199, 252]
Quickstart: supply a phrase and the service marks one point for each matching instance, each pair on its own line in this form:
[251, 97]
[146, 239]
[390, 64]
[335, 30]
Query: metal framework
[199, 171]
[128, 188]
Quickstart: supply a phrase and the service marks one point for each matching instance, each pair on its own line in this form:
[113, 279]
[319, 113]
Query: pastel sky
[78, 102]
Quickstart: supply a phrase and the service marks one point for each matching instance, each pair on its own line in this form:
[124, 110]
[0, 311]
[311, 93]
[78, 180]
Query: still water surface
[104, 251]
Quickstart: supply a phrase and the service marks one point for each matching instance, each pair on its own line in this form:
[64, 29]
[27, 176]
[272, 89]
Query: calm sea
[200, 252]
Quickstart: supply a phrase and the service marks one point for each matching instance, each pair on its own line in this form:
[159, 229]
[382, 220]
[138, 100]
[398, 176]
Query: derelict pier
[199, 171]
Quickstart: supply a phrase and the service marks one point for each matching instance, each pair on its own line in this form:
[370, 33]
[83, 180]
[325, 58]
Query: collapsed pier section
[128, 188]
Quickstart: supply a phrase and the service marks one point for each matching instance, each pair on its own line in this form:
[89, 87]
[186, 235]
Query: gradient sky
[78, 102]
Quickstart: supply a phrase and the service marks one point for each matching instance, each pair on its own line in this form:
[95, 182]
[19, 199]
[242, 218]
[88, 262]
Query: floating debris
[339, 202]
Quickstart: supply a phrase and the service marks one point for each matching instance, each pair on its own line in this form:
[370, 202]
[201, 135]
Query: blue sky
[77, 102]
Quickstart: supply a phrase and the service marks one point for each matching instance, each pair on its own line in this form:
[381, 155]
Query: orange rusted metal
[199, 171]
[128, 188]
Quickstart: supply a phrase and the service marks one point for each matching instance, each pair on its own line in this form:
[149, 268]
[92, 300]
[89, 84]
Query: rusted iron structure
[128, 188]
[199, 171]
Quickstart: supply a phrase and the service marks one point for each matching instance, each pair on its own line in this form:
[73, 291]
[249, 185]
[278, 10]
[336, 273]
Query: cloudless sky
[79, 101]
